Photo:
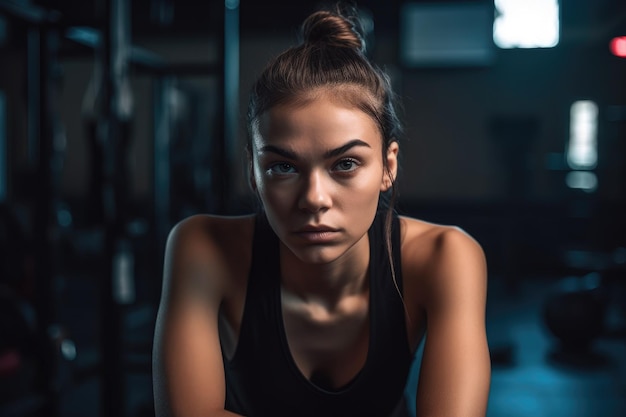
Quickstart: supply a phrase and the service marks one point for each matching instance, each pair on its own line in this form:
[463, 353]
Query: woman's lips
[317, 234]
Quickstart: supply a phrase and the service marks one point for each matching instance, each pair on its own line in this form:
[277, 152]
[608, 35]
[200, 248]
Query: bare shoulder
[207, 228]
[440, 259]
[419, 236]
[209, 245]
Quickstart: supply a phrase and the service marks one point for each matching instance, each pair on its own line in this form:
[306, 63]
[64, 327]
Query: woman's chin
[317, 254]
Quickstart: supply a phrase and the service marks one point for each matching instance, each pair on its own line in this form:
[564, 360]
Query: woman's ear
[391, 170]
[251, 180]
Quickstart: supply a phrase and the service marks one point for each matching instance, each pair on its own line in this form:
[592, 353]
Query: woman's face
[318, 171]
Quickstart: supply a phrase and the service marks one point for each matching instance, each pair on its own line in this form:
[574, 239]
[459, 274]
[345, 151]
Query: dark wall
[451, 112]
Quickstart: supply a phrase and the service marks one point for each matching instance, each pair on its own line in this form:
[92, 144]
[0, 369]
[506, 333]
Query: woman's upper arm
[455, 370]
[188, 374]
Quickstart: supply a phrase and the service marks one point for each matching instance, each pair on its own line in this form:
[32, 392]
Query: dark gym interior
[119, 118]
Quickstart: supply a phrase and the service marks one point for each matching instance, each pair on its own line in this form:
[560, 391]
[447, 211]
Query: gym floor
[529, 377]
[540, 381]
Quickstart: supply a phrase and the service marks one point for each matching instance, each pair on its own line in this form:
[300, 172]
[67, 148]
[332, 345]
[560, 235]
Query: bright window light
[526, 23]
[582, 148]
[582, 180]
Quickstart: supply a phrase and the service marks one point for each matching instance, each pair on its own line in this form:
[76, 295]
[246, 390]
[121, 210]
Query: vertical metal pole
[110, 315]
[227, 136]
[231, 92]
[43, 224]
[33, 90]
[4, 161]
[161, 177]
[115, 130]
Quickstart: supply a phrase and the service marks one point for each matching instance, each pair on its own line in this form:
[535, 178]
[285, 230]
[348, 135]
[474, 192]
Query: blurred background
[119, 118]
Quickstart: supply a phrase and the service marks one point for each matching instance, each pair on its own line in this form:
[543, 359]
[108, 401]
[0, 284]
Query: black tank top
[262, 378]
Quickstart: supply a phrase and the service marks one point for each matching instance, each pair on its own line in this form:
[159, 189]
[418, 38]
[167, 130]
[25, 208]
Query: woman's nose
[314, 196]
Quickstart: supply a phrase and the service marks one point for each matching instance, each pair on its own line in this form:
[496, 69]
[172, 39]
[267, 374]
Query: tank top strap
[379, 253]
[396, 249]
[265, 254]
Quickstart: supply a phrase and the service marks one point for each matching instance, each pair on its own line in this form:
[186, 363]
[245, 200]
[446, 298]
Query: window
[526, 24]
[582, 146]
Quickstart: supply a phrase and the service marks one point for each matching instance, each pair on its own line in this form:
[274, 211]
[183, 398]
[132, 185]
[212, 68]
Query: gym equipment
[575, 312]
[109, 130]
[108, 121]
[110, 135]
[18, 336]
[31, 349]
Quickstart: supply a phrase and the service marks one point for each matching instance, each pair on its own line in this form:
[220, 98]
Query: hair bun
[334, 29]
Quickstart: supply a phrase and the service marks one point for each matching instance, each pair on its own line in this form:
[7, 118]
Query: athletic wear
[262, 378]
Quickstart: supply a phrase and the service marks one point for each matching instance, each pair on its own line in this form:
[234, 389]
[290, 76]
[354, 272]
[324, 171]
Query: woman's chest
[328, 346]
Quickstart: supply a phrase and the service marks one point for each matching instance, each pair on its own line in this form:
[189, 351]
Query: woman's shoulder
[223, 243]
[420, 235]
[212, 228]
[438, 254]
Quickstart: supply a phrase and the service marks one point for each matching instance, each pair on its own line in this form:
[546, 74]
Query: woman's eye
[347, 165]
[282, 168]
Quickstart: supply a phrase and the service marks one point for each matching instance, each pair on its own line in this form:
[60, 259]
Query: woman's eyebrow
[345, 148]
[327, 155]
[279, 151]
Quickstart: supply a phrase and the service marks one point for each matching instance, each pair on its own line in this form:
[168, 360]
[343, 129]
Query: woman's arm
[455, 372]
[188, 373]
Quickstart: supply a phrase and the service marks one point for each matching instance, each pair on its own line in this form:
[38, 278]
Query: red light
[618, 46]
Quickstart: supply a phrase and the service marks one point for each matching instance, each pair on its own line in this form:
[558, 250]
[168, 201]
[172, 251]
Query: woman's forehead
[345, 94]
[322, 121]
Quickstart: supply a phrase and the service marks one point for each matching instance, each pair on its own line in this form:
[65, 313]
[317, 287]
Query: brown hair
[331, 54]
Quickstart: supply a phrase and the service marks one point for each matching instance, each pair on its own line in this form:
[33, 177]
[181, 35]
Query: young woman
[315, 306]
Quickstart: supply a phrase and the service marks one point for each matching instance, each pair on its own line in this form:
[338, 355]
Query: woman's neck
[329, 282]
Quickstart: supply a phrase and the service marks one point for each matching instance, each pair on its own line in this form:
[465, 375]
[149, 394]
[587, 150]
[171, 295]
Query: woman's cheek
[275, 195]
